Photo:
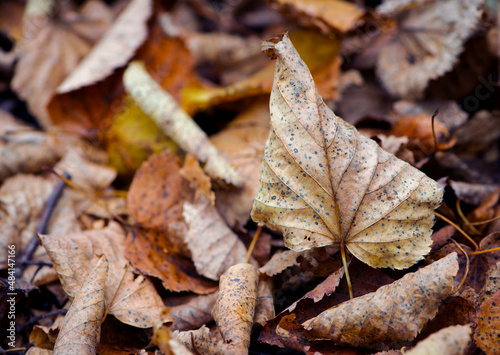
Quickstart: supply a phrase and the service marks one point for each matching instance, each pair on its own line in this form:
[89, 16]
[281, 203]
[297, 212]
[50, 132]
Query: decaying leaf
[394, 313]
[488, 325]
[191, 312]
[130, 298]
[429, 38]
[81, 331]
[160, 106]
[264, 310]
[199, 181]
[323, 183]
[235, 308]
[200, 341]
[214, 247]
[448, 341]
[327, 15]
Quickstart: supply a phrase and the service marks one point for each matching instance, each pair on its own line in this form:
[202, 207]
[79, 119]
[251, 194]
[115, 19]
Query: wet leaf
[235, 307]
[394, 313]
[214, 247]
[488, 325]
[130, 298]
[448, 341]
[81, 331]
[323, 183]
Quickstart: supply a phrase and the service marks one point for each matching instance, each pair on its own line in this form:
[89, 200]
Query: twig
[43, 224]
[33, 320]
[252, 244]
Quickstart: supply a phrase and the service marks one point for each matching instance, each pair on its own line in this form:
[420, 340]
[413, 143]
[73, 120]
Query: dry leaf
[323, 183]
[214, 247]
[394, 313]
[160, 106]
[235, 307]
[492, 283]
[327, 15]
[50, 50]
[242, 144]
[264, 310]
[130, 298]
[448, 341]
[81, 331]
[429, 38]
[488, 325]
[114, 50]
[200, 341]
[199, 181]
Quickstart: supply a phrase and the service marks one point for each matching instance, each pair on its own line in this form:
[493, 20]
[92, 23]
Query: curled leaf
[324, 183]
[176, 123]
[235, 308]
[394, 313]
[448, 341]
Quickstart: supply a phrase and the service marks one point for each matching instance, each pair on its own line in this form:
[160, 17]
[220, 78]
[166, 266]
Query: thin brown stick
[346, 271]
[252, 244]
[462, 215]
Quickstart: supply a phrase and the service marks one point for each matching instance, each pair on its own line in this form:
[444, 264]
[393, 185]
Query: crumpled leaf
[235, 307]
[214, 247]
[200, 341]
[264, 310]
[488, 325]
[323, 183]
[81, 331]
[160, 106]
[327, 15]
[429, 38]
[394, 313]
[130, 298]
[448, 341]
[50, 49]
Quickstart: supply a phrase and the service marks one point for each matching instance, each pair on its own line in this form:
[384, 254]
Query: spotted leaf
[323, 183]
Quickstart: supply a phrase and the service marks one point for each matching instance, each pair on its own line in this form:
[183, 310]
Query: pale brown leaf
[448, 341]
[81, 331]
[214, 247]
[429, 38]
[264, 310]
[130, 298]
[198, 180]
[174, 122]
[114, 50]
[394, 313]
[191, 312]
[200, 341]
[235, 307]
[323, 183]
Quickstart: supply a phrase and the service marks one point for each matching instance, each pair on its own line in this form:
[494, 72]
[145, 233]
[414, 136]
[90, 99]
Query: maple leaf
[324, 183]
[394, 313]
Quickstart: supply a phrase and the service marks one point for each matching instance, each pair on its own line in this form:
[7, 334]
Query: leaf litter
[165, 283]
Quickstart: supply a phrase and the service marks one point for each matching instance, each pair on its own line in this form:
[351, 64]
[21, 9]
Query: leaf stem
[467, 265]
[346, 271]
[252, 244]
[484, 251]
[466, 221]
[458, 229]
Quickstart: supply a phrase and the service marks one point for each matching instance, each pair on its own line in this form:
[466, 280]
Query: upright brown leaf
[324, 183]
[235, 307]
[394, 313]
[81, 331]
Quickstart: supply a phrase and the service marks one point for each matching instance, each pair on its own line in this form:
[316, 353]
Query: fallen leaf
[235, 307]
[160, 106]
[81, 331]
[429, 37]
[242, 144]
[327, 15]
[114, 50]
[192, 312]
[130, 298]
[214, 247]
[200, 341]
[199, 181]
[148, 251]
[448, 341]
[394, 313]
[488, 325]
[50, 50]
[323, 183]
[491, 284]
[264, 310]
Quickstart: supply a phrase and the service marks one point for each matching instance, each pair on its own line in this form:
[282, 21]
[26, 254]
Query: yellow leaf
[324, 183]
